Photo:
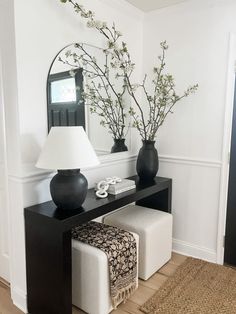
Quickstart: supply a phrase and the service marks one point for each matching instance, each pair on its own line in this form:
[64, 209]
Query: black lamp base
[69, 189]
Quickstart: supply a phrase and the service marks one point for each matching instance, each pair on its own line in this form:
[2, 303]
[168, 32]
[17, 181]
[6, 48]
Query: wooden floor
[143, 293]
[6, 305]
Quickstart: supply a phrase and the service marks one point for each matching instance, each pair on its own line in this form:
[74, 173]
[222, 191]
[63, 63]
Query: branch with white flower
[160, 102]
[103, 97]
[163, 97]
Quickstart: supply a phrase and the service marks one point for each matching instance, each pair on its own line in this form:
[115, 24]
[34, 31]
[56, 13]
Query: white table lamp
[67, 149]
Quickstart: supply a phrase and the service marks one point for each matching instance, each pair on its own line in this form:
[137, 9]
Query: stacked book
[120, 187]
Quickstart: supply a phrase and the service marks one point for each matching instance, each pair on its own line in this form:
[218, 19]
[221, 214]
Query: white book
[125, 183]
[122, 190]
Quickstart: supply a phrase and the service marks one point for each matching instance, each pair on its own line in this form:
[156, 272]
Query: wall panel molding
[32, 174]
[190, 161]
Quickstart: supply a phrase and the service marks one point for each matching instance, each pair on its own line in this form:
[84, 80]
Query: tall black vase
[147, 162]
[119, 146]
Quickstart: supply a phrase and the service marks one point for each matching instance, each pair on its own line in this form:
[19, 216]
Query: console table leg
[48, 262]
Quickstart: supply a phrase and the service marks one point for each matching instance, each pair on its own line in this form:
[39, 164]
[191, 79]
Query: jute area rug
[196, 287]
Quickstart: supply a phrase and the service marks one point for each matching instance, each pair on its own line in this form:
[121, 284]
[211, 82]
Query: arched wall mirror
[78, 94]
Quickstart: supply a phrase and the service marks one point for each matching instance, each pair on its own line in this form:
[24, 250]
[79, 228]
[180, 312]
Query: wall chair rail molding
[190, 161]
[229, 102]
[32, 174]
[35, 182]
[32, 177]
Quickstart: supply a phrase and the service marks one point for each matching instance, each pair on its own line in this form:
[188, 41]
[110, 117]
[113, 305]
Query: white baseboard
[19, 299]
[189, 249]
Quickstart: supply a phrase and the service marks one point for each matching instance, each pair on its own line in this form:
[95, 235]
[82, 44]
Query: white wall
[190, 142]
[42, 28]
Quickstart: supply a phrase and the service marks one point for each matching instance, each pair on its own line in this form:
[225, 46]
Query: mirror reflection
[84, 88]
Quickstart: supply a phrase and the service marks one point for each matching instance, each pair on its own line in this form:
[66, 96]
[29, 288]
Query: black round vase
[147, 162]
[68, 189]
[119, 146]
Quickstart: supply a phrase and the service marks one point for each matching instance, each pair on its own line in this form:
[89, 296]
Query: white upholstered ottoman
[90, 278]
[154, 228]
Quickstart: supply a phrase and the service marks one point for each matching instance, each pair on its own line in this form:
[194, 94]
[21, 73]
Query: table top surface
[94, 207]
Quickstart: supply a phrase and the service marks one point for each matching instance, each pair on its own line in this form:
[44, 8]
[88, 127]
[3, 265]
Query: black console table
[48, 241]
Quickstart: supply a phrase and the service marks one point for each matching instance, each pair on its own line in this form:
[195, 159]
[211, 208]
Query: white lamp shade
[67, 148]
